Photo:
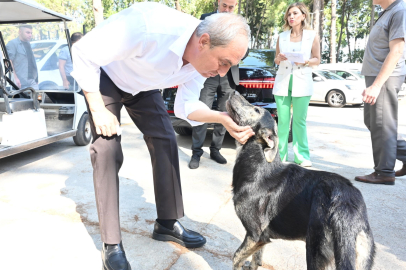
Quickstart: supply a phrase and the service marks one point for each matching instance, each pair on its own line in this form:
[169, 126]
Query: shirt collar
[393, 4]
[179, 46]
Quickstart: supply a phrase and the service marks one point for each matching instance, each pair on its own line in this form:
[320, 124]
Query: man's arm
[105, 122]
[371, 93]
[188, 107]
[126, 39]
[63, 74]
[241, 134]
[16, 80]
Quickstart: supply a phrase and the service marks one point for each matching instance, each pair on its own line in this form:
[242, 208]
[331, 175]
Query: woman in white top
[294, 82]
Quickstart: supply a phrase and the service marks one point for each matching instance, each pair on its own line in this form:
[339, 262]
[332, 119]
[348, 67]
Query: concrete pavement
[49, 220]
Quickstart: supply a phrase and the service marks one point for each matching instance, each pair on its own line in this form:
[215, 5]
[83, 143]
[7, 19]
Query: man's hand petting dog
[241, 134]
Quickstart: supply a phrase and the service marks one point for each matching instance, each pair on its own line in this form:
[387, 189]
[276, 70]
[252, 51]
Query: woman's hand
[281, 57]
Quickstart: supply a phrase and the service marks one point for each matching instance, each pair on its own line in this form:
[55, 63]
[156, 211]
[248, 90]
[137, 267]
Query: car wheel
[336, 99]
[48, 86]
[84, 133]
[183, 131]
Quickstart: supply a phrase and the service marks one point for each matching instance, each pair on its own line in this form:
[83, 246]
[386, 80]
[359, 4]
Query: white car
[46, 54]
[352, 72]
[334, 90]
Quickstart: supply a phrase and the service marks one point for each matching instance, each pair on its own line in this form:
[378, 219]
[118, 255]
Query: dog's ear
[271, 151]
[270, 154]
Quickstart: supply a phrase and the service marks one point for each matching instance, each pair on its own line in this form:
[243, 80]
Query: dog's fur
[285, 201]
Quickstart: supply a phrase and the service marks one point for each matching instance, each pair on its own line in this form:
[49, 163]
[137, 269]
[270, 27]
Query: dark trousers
[214, 85]
[382, 121]
[148, 112]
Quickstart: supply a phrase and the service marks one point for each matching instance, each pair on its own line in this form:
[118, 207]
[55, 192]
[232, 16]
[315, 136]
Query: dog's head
[259, 119]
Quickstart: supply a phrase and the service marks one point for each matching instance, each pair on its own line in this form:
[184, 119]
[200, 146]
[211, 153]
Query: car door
[319, 88]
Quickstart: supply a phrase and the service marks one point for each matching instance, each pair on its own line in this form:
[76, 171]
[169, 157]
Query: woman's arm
[279, 56]
[315, 60]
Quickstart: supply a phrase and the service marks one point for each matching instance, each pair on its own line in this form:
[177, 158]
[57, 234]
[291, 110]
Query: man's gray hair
[223, 28]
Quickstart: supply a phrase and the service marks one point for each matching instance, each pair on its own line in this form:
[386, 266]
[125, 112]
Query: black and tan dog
[285, 201]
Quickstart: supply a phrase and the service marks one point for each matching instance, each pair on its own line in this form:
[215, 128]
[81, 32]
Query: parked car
[334, 90]
[257, 77]
[46, 54]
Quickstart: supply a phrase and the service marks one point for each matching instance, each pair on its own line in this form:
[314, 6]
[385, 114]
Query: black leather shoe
[194, 162]
[113, 257]
[216, 156]
[180, 235]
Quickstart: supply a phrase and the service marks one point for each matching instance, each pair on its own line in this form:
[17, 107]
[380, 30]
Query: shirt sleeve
[397, 25]
[187, 99]
[63, 55]
[11, 50]
[120, 37]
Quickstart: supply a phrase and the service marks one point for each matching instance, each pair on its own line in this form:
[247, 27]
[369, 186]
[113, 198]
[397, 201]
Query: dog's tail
[354, 246]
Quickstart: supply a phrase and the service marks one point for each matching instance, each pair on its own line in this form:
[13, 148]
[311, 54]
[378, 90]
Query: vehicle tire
[336, 99]
[84, 133]
[183, 131]
[48, 86]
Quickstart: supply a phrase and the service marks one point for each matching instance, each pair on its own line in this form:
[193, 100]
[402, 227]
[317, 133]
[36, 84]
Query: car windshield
[329, 75]
[259, 58]
[39, 55]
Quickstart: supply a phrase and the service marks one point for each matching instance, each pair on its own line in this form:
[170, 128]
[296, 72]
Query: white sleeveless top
[302, 84]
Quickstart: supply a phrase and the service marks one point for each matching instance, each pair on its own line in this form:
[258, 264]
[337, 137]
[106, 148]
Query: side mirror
[317, 79]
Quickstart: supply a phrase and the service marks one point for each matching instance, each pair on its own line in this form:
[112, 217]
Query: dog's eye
[257, 110]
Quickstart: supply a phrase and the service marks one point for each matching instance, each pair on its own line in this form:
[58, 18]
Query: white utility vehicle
[42, 112]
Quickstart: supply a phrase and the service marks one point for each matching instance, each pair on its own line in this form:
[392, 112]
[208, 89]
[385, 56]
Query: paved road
[49, 221]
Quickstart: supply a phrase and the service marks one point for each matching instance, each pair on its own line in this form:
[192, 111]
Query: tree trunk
[316, 15]
[321, 25]
[342, 27]
[372, 16]
[333, 31]
[177, 5]
[348, 38]
[97, 11]
[239, 6]
[260, 24]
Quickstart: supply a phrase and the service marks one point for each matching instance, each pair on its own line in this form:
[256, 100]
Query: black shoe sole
[129, 267]
[166, 237]
[218, 161]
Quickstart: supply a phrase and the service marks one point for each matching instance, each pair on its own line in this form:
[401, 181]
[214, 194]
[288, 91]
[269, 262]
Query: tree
[333, 31]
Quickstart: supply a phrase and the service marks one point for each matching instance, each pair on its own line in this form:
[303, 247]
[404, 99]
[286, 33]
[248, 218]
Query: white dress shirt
[141, 49]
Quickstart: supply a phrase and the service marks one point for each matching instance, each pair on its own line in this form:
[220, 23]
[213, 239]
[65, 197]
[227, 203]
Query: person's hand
[105, 122]
[66, 84]
[17, 81]
[281, 57]
[241, 134]
[370, 94]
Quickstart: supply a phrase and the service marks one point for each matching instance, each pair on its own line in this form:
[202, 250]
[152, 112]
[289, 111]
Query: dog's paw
[247, 266]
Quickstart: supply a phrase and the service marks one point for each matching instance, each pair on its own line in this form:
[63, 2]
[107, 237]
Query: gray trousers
[382, 121]
[148, 112]
[213, 85]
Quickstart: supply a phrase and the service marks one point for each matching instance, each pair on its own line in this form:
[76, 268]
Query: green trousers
[299, 130]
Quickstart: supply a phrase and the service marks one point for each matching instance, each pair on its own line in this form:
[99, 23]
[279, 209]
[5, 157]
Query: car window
[40, 49]
[329, 75]
[343, 74]
[358, 73]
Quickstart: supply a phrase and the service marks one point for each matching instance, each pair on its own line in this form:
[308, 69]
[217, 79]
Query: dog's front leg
[257, 259]
[247, 248]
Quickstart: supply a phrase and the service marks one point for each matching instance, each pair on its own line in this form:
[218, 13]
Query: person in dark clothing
[223, 87]
[22, 58]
